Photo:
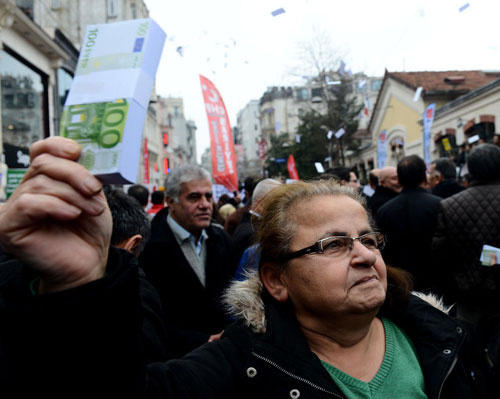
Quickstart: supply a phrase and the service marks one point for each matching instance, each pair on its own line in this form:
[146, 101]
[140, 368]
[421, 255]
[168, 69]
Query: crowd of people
[307, 289]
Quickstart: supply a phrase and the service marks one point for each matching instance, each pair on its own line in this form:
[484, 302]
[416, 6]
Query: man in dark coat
[443, 178]
[467, 221]
[386, 190]
[409, 222]
[189, 261]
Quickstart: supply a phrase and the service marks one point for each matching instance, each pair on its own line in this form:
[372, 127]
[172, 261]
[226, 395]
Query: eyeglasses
[340, 245]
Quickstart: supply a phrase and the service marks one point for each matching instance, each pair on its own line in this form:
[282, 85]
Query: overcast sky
[243, 49]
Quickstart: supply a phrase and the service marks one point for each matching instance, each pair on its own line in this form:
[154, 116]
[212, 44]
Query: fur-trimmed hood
[243, 301]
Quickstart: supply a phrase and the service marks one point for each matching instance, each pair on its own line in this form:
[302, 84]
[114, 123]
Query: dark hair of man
[373, 179]
[411, 171]
[140, 193]
[484, 163]
[446, 167]
[158, 197]
[129, 218]
[249, 185]
[340, 171]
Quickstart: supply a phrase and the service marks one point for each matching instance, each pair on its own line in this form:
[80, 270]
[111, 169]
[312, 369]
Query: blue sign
[381, 149]
[280, 160]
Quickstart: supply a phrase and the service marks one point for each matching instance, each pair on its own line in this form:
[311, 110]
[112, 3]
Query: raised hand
[58, 221]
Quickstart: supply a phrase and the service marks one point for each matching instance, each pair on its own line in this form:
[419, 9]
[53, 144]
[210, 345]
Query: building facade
[395, 127]
[248, 134]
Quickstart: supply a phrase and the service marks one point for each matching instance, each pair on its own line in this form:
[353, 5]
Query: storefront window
[64, 80]
[22, 107]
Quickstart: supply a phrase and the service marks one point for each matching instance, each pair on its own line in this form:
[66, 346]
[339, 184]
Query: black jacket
[271, 358]
[467, 221]
[192, 311]
[409, 221]
[447, 188]
[379, 198]
[84, 342]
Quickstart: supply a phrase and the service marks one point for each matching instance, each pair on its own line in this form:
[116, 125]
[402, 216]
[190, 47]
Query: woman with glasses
[323, 316]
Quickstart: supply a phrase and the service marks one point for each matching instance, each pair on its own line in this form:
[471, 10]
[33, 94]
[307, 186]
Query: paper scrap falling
[340, 133]
[277, 12]
[464, 7]
[329, 135]
[297, 138]
[180, 50]
[332, 82]
[319, 167]
[417, 93]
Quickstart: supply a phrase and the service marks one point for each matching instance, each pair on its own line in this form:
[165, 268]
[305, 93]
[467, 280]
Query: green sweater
[399, 376]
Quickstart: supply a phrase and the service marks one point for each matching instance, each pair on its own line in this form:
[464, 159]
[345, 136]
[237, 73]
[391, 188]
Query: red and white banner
[221, 138]
[292, 170]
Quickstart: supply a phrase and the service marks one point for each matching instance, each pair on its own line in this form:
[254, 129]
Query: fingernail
[70, 147]
[92, 184]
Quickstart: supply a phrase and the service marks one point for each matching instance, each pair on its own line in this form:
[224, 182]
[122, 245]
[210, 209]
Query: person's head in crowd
[140, 193]
[411, 172]
[347, 177]
[300, 264]
[388, 177]
[189, 197]
[225, 206]
[484, 163]
[249, 185]
[158, 197]
[373, 178]
[261, 189]
[442, 169]
[131, 226]
[496, 139]
[328, 176]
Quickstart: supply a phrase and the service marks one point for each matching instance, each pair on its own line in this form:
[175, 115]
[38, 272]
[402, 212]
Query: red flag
[292, 170]
[221, 138]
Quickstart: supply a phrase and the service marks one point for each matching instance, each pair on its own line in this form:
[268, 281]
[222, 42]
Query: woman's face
[322, 286]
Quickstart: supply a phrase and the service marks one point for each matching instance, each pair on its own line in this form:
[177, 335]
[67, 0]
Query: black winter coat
[409, 221]
[278, 363]
[192, 311]
[467, 221]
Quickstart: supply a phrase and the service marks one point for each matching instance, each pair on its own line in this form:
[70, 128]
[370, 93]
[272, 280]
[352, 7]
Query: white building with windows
[249, 135]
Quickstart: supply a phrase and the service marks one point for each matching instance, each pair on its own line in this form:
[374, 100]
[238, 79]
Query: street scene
[237, 199]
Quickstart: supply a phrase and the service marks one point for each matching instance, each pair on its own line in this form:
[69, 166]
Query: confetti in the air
[277, 12]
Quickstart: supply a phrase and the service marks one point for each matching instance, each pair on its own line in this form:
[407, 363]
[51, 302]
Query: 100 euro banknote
[98, 128]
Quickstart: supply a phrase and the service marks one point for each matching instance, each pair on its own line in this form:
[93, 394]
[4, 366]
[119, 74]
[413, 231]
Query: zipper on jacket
[296, 376]
[455, 360]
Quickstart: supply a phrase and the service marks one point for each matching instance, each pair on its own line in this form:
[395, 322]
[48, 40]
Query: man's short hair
[158, 197]
[129, 218]
[342, 172]
[249, 184]
[446, 167]
[140, 193]
[484, 163]
[183, 174]
[411, 171]
[263, 187]
[373, 179]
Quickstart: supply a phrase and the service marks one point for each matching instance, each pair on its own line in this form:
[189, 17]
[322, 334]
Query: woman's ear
[272, 278]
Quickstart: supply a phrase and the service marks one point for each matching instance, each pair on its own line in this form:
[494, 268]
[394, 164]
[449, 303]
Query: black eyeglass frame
[317, 247]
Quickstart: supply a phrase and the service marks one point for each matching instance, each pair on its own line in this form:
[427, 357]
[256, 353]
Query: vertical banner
[428, 118]
[221, 138]
[146, 162]
[292, 170]
[381, 149]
